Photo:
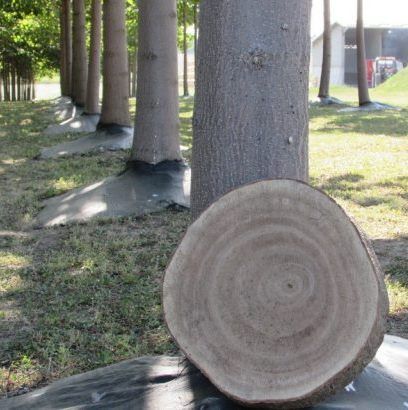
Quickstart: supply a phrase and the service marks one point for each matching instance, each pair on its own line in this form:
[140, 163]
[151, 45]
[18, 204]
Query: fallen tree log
[276, 296]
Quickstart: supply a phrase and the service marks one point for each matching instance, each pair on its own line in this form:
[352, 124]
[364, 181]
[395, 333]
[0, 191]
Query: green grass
[87, 295]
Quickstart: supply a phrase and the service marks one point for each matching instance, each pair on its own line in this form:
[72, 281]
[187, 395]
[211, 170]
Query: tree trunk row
[79, 54]
[132, 74]
[16, 83]
[324, 90]
[363, 93]
[115, 107]
[156, 136]
[66, 48]
[94, 67]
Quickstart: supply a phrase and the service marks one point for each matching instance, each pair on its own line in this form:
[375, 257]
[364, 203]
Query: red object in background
[371, 73]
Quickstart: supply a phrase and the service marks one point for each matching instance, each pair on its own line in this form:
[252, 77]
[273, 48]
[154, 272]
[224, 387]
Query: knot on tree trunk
[149, 55]
[256, 58]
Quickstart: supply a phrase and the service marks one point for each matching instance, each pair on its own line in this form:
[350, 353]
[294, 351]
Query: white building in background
[382, 40]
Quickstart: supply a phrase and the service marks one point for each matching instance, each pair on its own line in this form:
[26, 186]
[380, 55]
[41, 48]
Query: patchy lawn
[87, 295]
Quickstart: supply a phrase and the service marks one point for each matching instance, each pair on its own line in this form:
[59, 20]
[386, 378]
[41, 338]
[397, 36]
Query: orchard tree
[363, 93]
[132, 20]
[79, 53]
[156, 136]
[251, 113]
[94, 68]
[115, 102]
[66, 48]
[324, 91]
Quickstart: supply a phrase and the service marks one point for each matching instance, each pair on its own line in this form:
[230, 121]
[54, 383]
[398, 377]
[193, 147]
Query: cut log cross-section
[276, 295]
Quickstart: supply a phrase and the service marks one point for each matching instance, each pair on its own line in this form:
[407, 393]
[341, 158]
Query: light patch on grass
[398, 294]
[11, 260]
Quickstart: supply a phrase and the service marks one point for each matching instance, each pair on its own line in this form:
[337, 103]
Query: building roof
[367, 26]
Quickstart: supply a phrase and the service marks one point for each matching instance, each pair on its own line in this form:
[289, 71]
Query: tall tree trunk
[79, 63]
[115, 105]
[13, 83]
[195, 30]
[33, 94]
[63, 49]
[157, 114]
[324, 91]
[251, 114]
[130, 74]
[185, 51]
[94, 68]
[6, 79]
[363, 93]
[134, 76]
[28, 89]
[66, 47]
[1, 85]
[18, 86]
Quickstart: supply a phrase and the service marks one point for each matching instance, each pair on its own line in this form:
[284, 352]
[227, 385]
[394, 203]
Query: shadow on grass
[89, 296]
[388, 123]
[352, 187]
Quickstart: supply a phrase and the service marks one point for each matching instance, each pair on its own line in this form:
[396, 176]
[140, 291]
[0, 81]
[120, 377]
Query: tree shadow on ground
[352, 187]
[88, 295]
[387, 123]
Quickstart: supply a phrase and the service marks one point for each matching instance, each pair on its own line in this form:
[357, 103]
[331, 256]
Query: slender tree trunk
[115, 105]
[63, 49]
[94, 68]
[185, 51]
[363, 93]
[28, 89]
[66, 47]
[25, 86]
[130, 74]
[18, 86]
[6, 83]
[69, 51]
[324, 91]
[157, 114]
[134, 76]
[195, 30]
[251, 114]
[1, 85]
[79, 63]
[13, 83]
[33, 95]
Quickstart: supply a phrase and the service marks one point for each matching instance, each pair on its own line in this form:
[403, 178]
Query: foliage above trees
[30, 37]
[29, 34]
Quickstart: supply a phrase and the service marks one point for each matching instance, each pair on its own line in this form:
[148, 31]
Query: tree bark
[363, 93]
[13, 83]
[1, 85]
[79, 63]
[115, 104]
[134, 76]
[324, 91]
[33, 94]
[63, 48]
[195, 30]
[157, 115]
[18, 86]
[185, 51]
[66, 47]
[94, 68]
[6, 79]
[251, 115]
